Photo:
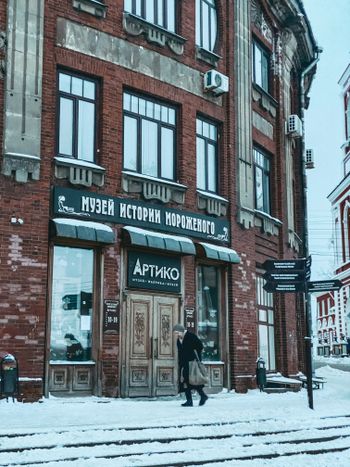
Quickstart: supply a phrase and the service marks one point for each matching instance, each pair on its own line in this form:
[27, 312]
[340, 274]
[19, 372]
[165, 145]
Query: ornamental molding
[258, 18]
[136, 26]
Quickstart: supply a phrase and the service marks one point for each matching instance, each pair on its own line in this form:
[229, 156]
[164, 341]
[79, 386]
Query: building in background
[333, 308]
[152, 160]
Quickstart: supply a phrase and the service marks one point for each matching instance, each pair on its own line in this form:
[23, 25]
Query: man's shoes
[187, 404]
[203, 399]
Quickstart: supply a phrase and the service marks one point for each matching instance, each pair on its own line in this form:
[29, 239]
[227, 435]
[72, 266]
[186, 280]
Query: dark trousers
[188, 394]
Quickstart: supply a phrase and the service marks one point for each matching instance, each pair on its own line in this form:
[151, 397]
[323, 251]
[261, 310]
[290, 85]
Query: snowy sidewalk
[128, 432]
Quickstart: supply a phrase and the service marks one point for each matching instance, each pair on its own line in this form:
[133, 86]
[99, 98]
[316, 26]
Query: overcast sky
[324, 124]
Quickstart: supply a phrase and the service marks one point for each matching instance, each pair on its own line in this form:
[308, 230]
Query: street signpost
[324, 286]
[293, 276]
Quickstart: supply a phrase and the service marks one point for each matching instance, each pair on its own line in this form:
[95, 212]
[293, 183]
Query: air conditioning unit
[215, 82]
[309, 159]
[294, 126]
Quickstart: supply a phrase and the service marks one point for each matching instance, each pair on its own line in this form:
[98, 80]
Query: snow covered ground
[245, 428]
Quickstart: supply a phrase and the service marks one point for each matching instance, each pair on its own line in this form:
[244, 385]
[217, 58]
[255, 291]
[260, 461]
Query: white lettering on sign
[184, 221]
[144, 214]
[97, 205]
[154, 271]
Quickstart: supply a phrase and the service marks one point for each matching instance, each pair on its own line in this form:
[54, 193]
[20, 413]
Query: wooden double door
[150, 357]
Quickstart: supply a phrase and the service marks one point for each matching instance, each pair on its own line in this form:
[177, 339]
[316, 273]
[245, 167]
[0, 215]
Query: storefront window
[208, 311]
[71, 309]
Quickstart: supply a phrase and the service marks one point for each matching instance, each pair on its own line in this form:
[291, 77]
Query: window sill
[153, 188]
[207, 56]
[213, 204]
[267, 223]
[135, 26]
[79, 172]
[93, 7]
[266, 101]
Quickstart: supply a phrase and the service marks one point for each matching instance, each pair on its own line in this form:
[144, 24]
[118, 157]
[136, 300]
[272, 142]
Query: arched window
[206, 24]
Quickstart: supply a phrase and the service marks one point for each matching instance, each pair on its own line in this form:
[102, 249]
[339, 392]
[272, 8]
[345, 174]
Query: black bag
[198, 375]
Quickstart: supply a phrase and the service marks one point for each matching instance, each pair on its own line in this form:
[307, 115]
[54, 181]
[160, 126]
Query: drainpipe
[307, 302]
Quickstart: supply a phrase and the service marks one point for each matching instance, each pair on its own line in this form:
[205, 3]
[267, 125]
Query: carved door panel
[139, 346]
[150, 367]
[164, 358]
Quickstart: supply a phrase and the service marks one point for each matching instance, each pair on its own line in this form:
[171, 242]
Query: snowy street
[231, 429]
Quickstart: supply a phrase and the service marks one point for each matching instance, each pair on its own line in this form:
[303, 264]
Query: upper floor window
[262, 181]
[207, 157]
[158, 12]
[206, 24]
[77, 117]
[149, 137]
[261, 66]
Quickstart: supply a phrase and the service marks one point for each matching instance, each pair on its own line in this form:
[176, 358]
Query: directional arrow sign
[284, 265]
[324, 286]
[284, 287]
[284, 276]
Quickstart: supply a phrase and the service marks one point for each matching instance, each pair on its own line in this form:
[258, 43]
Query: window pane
[262, 315]
[213, 29]
[259, 195]
[71, 309]
[263, 344]
[208, 311]
[198, 23]
[205, 26]
[164, 113]
[65, 145]
[127, 5]
[211, 168]
[157, 110]
[142, 107]
[171, 116]
[272, 359]
[199, 129]
[270, 316]
[149, 148]
[130, 143]
[257, 65]
[213, 132]
[206, 129]
[127, 102]
[77, 86]
[160, 13]
[150, 109]
[149, 5]
[89, 89]
[200, 164]
[134, 104]
[171, 15]
[138, 7]
[167, 153]
[86, 131]
[64, 82]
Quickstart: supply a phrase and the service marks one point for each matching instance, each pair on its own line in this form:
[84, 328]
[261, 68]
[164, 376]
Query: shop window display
[71, 309]
[208, 311]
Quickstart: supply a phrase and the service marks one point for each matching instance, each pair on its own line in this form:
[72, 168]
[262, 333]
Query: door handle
[156, 348]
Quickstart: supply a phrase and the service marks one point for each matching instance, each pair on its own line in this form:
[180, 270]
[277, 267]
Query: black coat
[186, 349]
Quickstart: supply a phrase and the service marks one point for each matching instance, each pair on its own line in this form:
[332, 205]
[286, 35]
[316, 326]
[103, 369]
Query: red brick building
[152, 161]
[333, 308]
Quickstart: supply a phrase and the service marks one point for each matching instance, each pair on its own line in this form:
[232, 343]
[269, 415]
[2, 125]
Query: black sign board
[111, 316]
[324, 286]
[153, 272]
[88, 205]
[284, 276]
[284, 265]
[284, 287]
[190, 319]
